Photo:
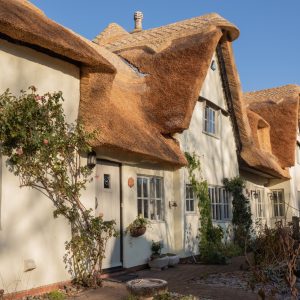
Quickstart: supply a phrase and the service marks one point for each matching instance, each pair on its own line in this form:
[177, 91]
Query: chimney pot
[138, 18]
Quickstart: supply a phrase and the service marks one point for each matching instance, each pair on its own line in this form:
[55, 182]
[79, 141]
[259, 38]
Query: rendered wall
[217, 156]
[137, 250]
[28, 230]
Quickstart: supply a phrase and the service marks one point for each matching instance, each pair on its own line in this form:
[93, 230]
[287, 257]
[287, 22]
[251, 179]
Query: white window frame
[220, 203]
[189, 199]
[211, 120]
[276, 203]
[148, 200]
[259, 202]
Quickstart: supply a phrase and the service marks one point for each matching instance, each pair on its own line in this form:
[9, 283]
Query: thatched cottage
[151, 95]
[272, 166]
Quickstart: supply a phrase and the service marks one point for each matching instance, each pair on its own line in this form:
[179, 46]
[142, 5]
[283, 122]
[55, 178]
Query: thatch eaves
[138, 111]
[22, 22]
[250, 152]
[279, 107]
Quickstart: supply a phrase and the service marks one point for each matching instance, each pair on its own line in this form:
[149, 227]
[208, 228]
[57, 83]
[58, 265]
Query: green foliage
[44, 151]
[156, 247]
[56, 295]
[241, 213]
[210, 236]
[138, 222]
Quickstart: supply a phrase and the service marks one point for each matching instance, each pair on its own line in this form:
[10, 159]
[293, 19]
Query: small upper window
[189, 198]
[210, 120]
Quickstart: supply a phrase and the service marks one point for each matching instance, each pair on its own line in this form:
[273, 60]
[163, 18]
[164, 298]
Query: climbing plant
[241, 213]
[43, 150]
[210, 243]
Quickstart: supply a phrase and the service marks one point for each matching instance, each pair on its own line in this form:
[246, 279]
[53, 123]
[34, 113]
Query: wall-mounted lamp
[254, 194]
[91, 159]
[270, 196]
[172, 204]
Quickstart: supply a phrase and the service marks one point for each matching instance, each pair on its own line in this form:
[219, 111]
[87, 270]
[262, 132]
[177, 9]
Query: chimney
[138, 17]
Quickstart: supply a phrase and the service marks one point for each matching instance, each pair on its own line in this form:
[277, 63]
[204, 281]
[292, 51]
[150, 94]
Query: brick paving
[180, 280]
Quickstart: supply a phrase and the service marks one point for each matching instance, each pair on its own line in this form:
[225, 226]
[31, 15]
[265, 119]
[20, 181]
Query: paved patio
[180, 280]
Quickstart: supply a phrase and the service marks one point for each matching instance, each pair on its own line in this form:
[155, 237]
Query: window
[278, 203]
[106, 181]
[298, 153]
[257, 197]
[189, 198]
[220, 202]
[210, 120]
[150, 197]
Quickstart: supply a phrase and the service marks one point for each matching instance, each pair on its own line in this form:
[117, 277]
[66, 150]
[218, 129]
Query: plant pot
[137, 231]
[173, 260]
[159, 263]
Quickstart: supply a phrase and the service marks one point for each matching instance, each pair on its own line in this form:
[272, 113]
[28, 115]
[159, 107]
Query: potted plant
[157, 260]
[137, 227]
[173, 259]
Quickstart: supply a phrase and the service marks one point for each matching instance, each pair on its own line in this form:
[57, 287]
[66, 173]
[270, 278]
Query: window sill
[211, 134]
[222, 221]
[156, 221]
[191, 213]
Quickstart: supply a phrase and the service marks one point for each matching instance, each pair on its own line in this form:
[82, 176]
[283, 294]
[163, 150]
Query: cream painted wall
[137, 250]
[217, 156]
[28, 230]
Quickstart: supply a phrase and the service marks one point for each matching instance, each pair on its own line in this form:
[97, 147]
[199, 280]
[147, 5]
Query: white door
[108, 204]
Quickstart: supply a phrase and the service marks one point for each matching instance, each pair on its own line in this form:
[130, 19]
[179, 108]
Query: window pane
[145, 187]
[140, 207]
[158, 210]
[146, 209]
[158, 188]
[139, 187]
[192, 205]
[106, 181]
[187, 205]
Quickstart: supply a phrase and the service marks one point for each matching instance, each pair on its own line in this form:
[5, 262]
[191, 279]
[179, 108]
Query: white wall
[137, 250]
[28, 230]
[217, 155]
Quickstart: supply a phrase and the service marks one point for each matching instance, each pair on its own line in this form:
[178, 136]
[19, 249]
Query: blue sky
[267, 51]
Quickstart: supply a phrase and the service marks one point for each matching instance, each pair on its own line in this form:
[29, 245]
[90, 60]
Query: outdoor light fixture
[213, 65]
[91, 159]
[172, 204]
[254, 194]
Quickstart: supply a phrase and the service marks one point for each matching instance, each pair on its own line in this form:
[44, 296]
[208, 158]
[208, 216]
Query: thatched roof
[254, 148]
[21, 21]
[160, 37]
[279, 108]
[138, 109]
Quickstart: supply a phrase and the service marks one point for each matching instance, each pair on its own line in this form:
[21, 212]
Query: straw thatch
[253, 147]
[138, 109]
[22, 22]
[279, 107]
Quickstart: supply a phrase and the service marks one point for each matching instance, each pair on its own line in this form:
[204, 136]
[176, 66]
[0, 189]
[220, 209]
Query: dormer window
[210, 120]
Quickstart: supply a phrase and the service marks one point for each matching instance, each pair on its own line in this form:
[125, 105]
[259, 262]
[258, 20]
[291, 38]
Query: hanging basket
[137, 231]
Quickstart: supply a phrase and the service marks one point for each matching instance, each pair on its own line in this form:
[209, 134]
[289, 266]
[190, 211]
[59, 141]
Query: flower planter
[159, 263]
[137, 231]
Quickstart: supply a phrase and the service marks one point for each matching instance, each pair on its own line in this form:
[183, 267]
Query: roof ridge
[295, 86]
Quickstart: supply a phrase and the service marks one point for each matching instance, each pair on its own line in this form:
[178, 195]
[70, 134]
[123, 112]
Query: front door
[108, 204]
